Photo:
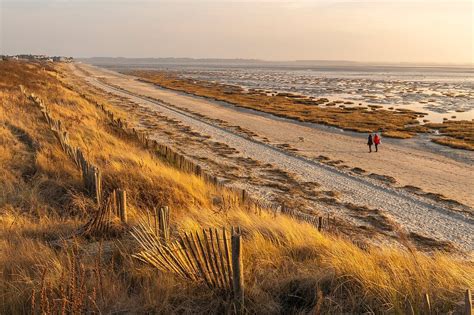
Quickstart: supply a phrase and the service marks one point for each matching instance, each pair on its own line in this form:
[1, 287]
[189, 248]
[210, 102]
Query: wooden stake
[163, 221]
[238, 275]
[205, 260]
[97, 186]
[227, 256]
[122, 205]
[222, 263]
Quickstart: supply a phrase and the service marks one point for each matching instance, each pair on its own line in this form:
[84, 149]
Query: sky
[415, 31]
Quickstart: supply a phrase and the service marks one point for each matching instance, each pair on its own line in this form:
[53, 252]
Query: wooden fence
[213, 257]
[159, 223]
[91, 175]
[113, 208]
[115, 205]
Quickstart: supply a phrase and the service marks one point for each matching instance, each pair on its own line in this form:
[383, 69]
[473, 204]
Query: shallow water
[439, 95]
[440, 92]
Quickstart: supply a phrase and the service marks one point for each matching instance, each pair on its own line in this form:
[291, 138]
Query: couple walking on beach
[373, 140]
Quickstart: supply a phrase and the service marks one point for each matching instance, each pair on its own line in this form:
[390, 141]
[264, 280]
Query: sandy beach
[311, 155]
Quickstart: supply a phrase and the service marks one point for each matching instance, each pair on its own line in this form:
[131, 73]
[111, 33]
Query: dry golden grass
[399, 123]
[455, 143]
[289, 266]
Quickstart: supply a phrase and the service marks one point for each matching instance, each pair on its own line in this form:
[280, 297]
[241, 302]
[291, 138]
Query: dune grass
[289, 266]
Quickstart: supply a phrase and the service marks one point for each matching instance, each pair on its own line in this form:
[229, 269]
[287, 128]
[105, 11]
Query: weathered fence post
[238, 274]
[97, 185]
[468, 302]
[164, 223]
[122, 205]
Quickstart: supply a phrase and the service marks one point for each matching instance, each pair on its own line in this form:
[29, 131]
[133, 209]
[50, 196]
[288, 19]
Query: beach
[422, 166]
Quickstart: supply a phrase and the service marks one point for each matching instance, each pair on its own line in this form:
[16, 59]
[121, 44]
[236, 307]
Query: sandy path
[412, 212]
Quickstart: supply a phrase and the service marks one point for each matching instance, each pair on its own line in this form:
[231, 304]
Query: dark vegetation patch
[424, 242]
[384, 178]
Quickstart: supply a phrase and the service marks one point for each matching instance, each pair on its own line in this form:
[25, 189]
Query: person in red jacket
[376, 142]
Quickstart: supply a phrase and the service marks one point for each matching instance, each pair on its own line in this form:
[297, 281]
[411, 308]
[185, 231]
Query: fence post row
[91, 175]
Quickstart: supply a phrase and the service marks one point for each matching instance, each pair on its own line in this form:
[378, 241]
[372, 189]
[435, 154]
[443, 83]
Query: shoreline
[392, 122]
[419, 141]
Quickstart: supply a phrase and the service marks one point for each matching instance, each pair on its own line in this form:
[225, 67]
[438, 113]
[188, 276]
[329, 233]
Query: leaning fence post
[122, 203]
[98, 185]
[238, 274]
[468, 302]
[164, 221]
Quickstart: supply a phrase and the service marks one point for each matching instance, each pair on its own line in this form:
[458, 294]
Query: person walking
[370, 142]
[376, 142]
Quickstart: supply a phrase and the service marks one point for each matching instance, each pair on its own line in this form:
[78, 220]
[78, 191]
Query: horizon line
[379, 63]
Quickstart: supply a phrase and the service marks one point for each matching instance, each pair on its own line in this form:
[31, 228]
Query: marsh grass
[399, 123]
[360, 119]
[289, 266]
[457, 134]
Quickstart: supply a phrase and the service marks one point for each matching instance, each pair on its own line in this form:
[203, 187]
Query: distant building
[36, 58]
[62, 59]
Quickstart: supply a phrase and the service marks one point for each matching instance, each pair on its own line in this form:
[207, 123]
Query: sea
[441, 92]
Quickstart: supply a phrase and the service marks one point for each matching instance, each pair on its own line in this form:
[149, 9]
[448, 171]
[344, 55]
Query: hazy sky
[372, 30]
